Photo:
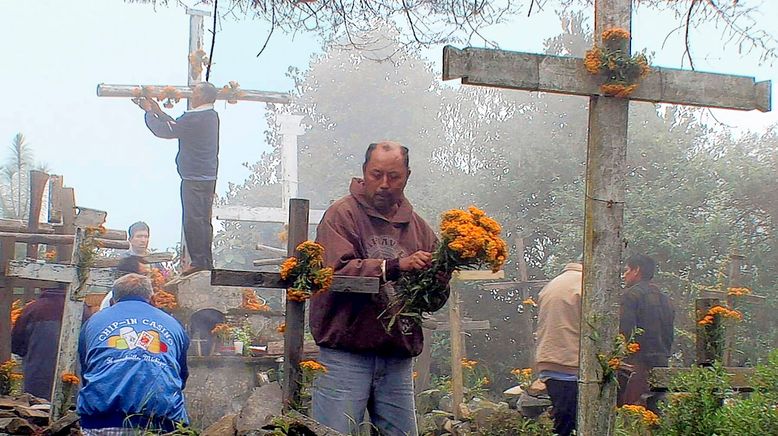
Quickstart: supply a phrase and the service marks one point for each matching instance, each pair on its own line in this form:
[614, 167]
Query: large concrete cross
[194, 76]
[605, 170]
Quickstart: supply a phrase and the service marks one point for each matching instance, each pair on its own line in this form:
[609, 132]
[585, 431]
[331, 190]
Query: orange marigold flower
[313, 365]
[614, 363]
[468, 364]
[311, 248]
[615, 33]
[738, 291]
[70, 378]
[593, 60]
[633, 347]
[50, 255]
[250, 301]
[281, 328]
[16, 376]
[618, 90]
[287, 267]
[529, 302]
[297, 295]
[415, 375]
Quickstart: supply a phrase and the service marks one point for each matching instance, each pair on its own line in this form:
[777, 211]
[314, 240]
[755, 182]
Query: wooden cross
[707, 353]
[455, 321]
[605, 169]
[74, 301]
[295, 311]
[194, 76]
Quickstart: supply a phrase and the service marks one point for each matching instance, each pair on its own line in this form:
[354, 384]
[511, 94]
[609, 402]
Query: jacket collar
[202, 107]
[404, 212]
[133, 298]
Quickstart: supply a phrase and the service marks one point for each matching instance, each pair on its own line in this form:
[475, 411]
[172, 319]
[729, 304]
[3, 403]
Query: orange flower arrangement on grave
[232, 92]
[469, 240]
[7, 376]
[468, 364]
[313, 366]
[721, 311]
[197, 59]
[252, 302]
[281, 328]
[524, 376]
[306, 275]
[50, 255]
[222, 331]
[621, 72]
[738, 291]
[646, 416]
[161, 298]
[16, 310]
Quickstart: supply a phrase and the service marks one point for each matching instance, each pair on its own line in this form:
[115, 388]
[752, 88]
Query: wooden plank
[65, 250]
[61, 239]
[457, 350]
[567, 75]
[268, 262]
[603, 238]
[38, 180]
[88, 217]
[295, 311]
[14, 225]
[478, 275]
[751, 298]
[260, 214]
[112, 90]
[68, 338]
[464, 325]
[263, 279]
[271, 249]
[6, 300]
[54, 272]
[660, 378]
[55, 198]
[113, 262]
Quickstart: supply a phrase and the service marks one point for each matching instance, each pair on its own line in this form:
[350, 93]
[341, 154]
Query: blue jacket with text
[133, 363]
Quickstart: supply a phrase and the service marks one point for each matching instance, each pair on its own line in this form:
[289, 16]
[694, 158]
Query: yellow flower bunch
[469, 239]
[738, 291]
[621, 72]
[721, 311]
[313, 366]
[474, 237]
[307, 274]
[468, 364]
[648, 417]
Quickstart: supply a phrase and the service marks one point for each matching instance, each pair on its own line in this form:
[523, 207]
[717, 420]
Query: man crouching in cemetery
[374, 232]
[644, 308]
[133, 361]
[558, 336]
[197, 131]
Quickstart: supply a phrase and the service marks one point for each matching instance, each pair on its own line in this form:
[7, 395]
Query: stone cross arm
[567, 75]
[109, 90]
[260, 279]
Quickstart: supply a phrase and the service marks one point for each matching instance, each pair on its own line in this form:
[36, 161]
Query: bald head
[386, 173]
[387, 146]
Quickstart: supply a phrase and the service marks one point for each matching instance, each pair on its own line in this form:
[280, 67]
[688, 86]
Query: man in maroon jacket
[372, 232]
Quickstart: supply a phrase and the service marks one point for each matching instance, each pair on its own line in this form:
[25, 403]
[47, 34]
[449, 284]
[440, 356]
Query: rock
[222, 427]
[446, 403]
[33, 416]
[530, 406]
[62, 426]
[428, 400]
[263, 402]
[16, 426]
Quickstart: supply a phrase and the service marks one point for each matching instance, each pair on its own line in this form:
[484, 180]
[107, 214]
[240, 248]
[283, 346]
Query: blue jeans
[355, 382]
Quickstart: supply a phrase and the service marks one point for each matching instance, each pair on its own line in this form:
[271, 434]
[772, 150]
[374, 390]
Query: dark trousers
[197, 206]
[564, 398]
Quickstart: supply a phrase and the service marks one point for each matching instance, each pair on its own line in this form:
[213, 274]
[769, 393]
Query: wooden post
[64, 251]
[68, 338]
[526, 322]
[708, 344]
[735, 264]
[38, 181]
[457, 348]
[6, 299]
[295, 311]
[603, 239]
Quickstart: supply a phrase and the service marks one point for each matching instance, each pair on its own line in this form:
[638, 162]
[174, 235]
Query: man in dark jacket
[372, 232]
[133, 360]
[197, 131]
[35, 337]
[644, 308]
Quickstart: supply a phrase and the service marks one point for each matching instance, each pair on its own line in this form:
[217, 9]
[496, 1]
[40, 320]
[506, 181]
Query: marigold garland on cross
[306, 275]
[620, 71]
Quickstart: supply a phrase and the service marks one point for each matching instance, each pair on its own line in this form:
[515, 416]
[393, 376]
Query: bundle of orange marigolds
[721, 311]
[621, 71]
[307, 274]
[161, 298]
[469, 240]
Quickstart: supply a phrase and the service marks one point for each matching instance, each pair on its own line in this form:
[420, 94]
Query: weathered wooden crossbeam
[38, 238]
[53, 272]
[260, 279]
[259, 214]
[109, 90]
[723, 295]
[567, 75]
[740, 378]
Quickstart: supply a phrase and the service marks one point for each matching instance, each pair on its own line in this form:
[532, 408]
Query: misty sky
[55, 53]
